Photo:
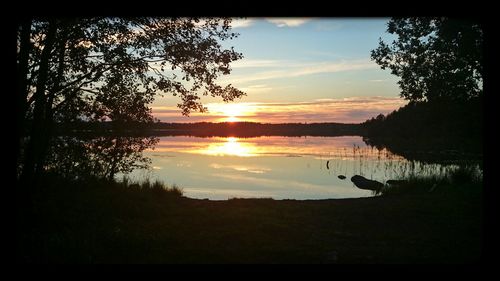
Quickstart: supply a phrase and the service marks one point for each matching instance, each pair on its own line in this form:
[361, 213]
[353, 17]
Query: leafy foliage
[110, 69]
[436, 58]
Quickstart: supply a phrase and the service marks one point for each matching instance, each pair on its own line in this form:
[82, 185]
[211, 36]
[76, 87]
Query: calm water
[278, 167]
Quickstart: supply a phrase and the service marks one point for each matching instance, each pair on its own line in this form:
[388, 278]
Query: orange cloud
[346, 110]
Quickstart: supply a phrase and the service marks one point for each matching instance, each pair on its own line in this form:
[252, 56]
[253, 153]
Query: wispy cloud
[241, 23]
[248, 63]
[301, 69]
[256, 89]
[376, 80]
[345, 110]
[288, 22]
[337, 67]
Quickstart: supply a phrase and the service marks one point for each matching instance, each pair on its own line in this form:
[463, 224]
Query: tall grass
[56, 182]
[463, 175]
[411, 175]
[157, 186]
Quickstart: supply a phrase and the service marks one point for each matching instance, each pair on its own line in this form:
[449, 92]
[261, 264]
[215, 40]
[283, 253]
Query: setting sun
[230, 146]
[231, 112]
[232, 119]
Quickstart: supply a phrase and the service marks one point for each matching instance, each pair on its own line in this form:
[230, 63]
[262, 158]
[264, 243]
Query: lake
[276, 167]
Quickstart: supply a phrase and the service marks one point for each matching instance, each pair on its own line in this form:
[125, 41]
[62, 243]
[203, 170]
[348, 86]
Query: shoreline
[108, 224]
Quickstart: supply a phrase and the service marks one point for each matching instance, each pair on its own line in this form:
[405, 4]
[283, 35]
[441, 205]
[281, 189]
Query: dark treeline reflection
[461, 151]
[101, 153]
[97, 156]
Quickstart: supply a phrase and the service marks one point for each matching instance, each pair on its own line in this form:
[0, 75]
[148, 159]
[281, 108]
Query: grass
[157, 187]
[128, 222]
[452, 179]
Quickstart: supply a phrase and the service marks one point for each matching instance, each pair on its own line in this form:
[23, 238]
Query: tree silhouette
[97, 156]
[98, 69]
[437, 59]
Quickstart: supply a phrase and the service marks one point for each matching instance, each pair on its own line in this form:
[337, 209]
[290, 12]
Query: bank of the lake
[111, 224]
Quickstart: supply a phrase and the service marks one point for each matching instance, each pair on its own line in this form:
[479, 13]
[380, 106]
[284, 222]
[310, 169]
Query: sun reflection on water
[231, 147]
[340, 148]
[277, 167]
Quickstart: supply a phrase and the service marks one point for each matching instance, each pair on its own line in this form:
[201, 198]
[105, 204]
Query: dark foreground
[111, 224]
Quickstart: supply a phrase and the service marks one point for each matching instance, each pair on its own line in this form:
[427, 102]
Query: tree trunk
[48, 121]
[22, 84]
[33, 148]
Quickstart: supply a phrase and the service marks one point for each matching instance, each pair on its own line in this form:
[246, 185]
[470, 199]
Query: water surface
[277, 167]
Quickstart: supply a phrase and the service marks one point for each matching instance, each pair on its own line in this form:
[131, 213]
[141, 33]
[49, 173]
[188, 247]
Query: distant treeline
[455, 125]
[421, 126]
[437, 119]
[207, 129]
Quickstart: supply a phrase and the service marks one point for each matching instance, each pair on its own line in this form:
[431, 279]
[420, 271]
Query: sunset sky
[301, 70]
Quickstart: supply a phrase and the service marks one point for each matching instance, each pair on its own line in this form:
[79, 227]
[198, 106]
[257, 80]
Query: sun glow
[231, 147]
[344, 110]
[232, 119]
[231, 112]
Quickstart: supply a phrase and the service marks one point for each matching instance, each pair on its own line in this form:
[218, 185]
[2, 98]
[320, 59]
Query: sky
[300, 70]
